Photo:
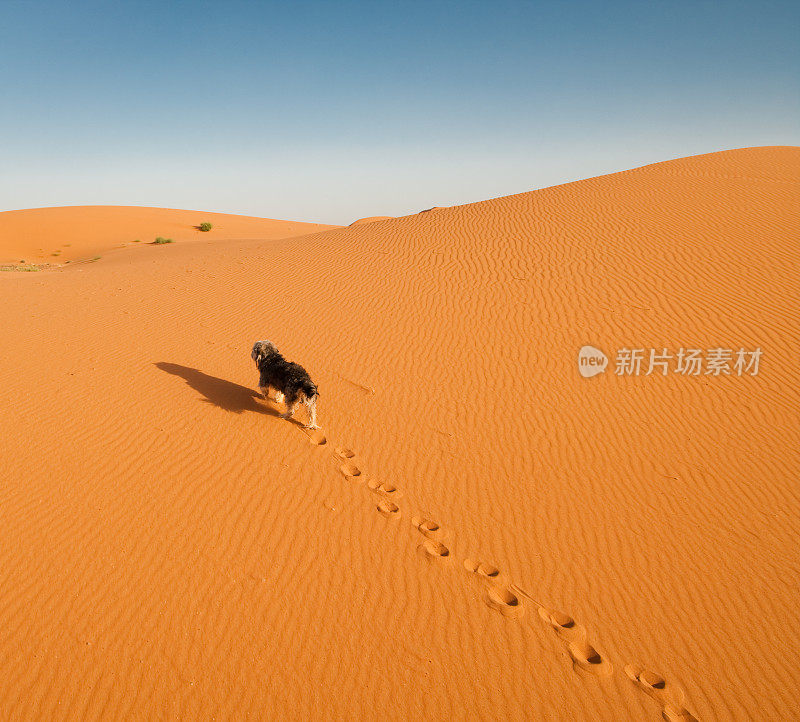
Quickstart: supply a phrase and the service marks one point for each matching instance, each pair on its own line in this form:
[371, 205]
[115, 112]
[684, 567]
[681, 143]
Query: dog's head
[262, 349]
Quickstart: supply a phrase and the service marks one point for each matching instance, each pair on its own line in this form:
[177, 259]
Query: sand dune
[478, 531]
[371, 219]
[72, 233]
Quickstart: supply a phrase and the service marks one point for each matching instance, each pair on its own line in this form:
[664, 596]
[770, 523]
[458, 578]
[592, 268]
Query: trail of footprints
[669, 696]
[508, 598]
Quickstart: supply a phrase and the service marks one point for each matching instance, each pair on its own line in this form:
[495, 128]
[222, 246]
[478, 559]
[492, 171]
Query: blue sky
[330, 111]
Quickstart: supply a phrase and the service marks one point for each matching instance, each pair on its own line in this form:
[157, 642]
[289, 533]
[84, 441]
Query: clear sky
[330, 111]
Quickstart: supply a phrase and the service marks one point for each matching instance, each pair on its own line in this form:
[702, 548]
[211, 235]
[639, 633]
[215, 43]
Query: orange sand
[484, 534]
[371, 219]
[55, 235]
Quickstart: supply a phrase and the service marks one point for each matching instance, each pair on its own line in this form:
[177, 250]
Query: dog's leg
[279, 397]
[312, 412]
[291, 403]
[264, 391]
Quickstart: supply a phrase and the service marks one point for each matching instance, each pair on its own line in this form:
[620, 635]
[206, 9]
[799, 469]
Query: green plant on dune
[160, 241]
[205, 227]
[26, 269]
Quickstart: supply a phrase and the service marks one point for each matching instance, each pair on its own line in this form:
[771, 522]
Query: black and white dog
[291, 381]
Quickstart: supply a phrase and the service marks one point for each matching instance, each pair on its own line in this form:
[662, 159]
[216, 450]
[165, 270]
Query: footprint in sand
[489, 571]
[350, 470]
[432, 547]
[564, 625]
[669, 696]
[435, 550]
[389, 509]
[386, 488]
[505, 601]
[499, 597]
[317, 438]
[428, 528]
[585, 657]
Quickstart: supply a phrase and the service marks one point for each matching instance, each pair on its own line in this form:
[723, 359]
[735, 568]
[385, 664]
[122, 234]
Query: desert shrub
[205, 226]
[160, 240]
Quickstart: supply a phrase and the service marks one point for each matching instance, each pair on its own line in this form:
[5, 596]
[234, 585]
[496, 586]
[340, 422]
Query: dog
[291, 381]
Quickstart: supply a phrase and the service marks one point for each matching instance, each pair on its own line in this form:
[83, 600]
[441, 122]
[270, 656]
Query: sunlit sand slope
[477, 531]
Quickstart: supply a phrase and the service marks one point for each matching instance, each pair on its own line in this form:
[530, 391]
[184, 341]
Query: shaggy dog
[291, 381]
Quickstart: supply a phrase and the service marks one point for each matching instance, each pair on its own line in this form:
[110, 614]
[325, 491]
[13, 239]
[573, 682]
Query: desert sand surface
[476, 532]
[371, 219]
[76, 233]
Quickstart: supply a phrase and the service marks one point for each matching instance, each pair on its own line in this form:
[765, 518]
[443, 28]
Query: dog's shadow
[224, 394]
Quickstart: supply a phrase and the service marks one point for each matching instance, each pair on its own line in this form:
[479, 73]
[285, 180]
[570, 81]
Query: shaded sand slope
[53, 235]
[564, 548]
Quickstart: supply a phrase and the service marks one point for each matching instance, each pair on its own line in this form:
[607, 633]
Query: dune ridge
[71, 233]
[371, 219]
[477, 530]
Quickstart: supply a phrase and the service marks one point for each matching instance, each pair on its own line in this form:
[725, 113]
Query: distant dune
[477, 531]
[53, 235]
[371, 219]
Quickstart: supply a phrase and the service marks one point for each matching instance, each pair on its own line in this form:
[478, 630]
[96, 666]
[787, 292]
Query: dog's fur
[291, 381]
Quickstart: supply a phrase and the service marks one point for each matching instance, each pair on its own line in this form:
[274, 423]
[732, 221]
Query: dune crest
[371, 219]
[70, 233]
